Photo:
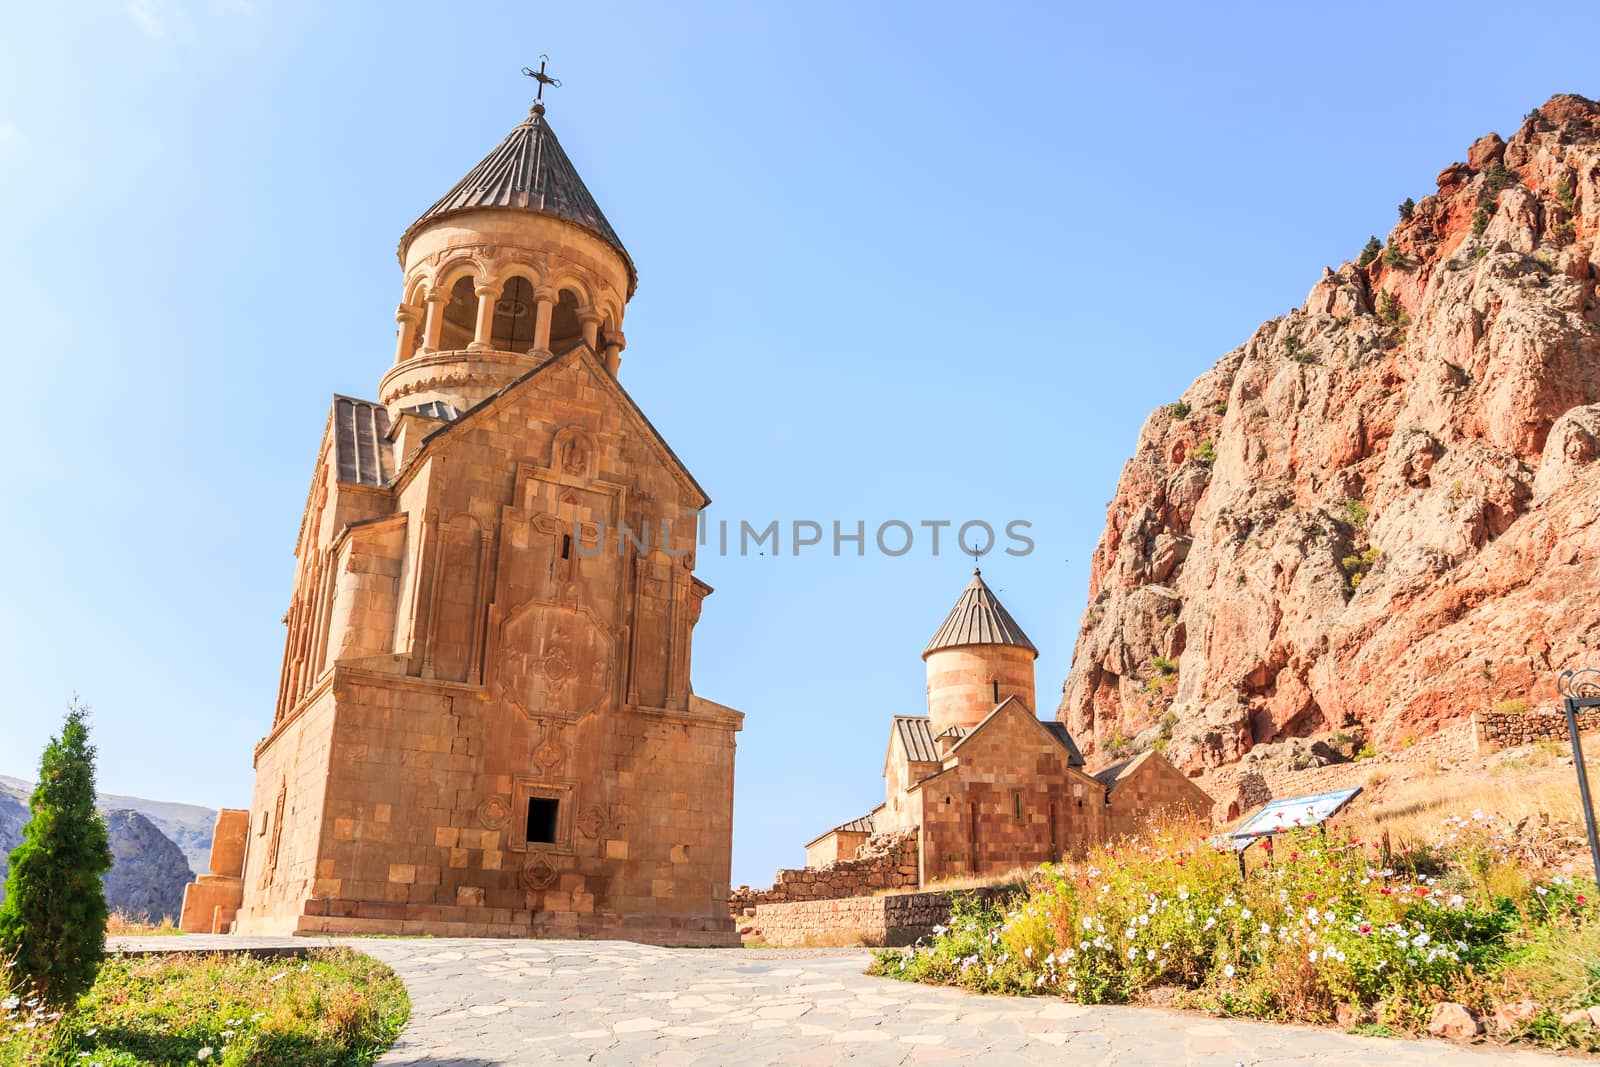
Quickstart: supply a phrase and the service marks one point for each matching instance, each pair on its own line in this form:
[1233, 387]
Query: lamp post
[1581, 689]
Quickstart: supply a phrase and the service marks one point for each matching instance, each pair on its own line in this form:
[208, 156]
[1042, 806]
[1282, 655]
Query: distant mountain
[189, 826]
[149, 873]
[157, 846]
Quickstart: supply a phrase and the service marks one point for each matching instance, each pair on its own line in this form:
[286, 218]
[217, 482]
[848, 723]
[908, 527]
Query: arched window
[515, 315]
[413, 325]
[460, 316]
[565, 329]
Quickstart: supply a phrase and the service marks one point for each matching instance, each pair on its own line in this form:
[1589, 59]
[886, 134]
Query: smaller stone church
[979, 783]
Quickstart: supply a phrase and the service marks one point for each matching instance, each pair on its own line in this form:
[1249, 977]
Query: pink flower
[1581, 899]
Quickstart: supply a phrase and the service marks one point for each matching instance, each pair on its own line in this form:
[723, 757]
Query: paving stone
[618, 1003]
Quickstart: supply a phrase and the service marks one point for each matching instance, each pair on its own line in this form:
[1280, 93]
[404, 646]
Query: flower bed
[1331, 929]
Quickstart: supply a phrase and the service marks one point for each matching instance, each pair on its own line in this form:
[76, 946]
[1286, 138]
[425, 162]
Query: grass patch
[335, 1007]
[122, 924]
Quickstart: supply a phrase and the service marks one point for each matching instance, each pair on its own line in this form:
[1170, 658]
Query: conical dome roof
[978, 619]
[529, 170]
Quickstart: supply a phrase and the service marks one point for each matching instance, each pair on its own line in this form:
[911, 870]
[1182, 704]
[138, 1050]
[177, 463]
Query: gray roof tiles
[979, 619]
[362, 452]
[529, 170]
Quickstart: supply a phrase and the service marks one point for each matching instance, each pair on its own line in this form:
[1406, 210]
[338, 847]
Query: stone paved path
[478, 1002]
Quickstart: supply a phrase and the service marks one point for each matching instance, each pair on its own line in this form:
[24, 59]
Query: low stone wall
[885, 861]
[888, 920]
[1495, 730]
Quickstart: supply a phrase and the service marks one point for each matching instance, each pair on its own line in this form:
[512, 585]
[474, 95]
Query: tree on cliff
[53, 921]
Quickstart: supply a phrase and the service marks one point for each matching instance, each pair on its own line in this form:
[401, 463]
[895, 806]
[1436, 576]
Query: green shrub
[1163, 666]
[1220, 409]
[1180, 410]
[1205, 453]
[1408, 207]
[1369, 252]
[1497, 176]
[1480, 220]
[1565, 194]
[1355, 513]
[1296, 350]
[1564, 233]
[53, 921]
[1393, 257]
[1390, 310]
[1356, 566]
[1365, 752]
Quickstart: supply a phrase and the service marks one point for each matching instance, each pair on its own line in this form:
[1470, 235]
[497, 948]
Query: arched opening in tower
[565, 329]
[460, 317]
[515, 316]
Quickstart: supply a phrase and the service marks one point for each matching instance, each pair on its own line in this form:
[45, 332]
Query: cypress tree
[53, 920]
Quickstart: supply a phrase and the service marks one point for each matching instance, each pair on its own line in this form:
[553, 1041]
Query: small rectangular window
[542, 820]
[1017, 799]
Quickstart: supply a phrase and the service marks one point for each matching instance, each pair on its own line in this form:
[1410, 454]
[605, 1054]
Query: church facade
[485, 722]
[982, 784]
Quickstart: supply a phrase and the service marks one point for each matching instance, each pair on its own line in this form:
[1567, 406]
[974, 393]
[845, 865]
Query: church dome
[527, 171]
[978, 619]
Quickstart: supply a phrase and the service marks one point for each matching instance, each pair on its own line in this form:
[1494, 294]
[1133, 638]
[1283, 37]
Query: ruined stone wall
[886, 861]
[1495, 730]
[891, 919]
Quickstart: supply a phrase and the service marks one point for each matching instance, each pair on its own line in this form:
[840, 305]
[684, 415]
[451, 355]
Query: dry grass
[1528, 783]
[1015, 876]
[122, 924]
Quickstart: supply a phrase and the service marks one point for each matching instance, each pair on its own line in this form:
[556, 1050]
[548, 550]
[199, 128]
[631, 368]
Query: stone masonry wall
[885, 861]
[892, 919]
[1507, 729]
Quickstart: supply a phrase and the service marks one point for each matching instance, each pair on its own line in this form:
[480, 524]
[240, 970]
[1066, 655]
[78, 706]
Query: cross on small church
[542, 78]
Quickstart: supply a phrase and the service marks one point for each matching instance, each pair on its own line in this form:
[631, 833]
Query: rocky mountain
[189, 826]
[149, 872]
[150, 869]
[1383, 510]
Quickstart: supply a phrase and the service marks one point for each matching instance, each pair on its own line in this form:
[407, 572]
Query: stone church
[485, 723]
[981, 783]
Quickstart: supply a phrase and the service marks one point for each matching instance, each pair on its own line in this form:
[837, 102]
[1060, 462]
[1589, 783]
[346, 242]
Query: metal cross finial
[975, 555]
[542, 78]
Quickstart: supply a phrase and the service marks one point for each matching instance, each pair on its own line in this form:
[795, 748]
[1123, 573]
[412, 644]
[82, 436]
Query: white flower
[1420, 940]
[1244, 914]
[1266, 928]
[1088, 923]
[10, 1003]
[1312, 956]
[204, 1054]
[1457, 900]
[1133, 952]
[1228, 970]
[1210, 922]
[1541, 890]
[938, 931]
[1183, 892]
[1130, 933]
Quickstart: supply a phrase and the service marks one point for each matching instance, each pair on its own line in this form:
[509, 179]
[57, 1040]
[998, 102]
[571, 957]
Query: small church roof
[916, 737]
[1059, 731]
[978, 619]
[529, 170]
[362, 452]
[1110, 775]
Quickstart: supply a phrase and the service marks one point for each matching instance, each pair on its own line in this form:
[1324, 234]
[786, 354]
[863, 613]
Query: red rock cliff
[1384, 508]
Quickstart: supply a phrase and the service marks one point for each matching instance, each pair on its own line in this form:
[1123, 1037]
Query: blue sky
[914, 262]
